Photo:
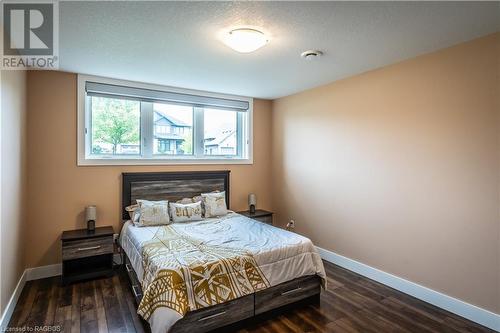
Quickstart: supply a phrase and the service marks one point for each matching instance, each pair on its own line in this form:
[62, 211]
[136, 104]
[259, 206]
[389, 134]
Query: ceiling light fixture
[311, 54]
[245, 40]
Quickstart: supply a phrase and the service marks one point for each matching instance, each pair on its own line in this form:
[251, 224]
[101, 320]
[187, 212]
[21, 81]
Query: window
[131, 123]
[220, 132]
[115, 126]
[173, 129]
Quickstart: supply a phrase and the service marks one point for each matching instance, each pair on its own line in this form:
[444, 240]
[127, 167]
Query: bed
[289, 262]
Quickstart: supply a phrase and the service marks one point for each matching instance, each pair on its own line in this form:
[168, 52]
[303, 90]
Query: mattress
[281, 255]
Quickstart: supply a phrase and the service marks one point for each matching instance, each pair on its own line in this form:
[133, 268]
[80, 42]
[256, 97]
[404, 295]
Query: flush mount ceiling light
[311, 54]
[245, 40]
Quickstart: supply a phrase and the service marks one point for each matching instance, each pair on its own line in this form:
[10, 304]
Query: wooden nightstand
[86, 254]
[259, 215]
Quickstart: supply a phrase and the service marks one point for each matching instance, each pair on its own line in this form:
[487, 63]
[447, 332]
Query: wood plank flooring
[352, 304]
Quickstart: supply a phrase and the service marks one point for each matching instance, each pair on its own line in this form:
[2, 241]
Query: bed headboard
[171, 186]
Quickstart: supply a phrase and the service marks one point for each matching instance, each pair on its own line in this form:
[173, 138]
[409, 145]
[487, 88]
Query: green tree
[115, 121]
[187, 144]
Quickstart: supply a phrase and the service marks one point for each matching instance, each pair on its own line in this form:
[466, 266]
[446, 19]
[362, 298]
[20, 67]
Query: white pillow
[185, 201]
[185, 212]
[134, 212]
[215, 204]
[153, 213]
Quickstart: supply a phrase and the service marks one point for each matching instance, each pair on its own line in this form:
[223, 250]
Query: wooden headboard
[171, 186]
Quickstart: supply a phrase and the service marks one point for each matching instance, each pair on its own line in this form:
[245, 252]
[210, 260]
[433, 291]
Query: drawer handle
[212, 316]
[80, 249]
[128, 268]
[291, 291]
[136, 293]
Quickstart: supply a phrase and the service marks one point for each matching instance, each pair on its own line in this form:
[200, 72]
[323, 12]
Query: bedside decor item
[252, 202]
[90, 217]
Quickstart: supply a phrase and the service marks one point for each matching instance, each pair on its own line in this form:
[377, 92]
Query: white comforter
[281, 255]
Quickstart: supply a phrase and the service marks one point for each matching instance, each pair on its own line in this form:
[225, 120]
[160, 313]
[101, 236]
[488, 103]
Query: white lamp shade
[90, 213]
[245, 40]
[252, 199]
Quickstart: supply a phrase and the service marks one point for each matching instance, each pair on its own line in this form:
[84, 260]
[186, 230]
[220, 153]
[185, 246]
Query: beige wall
[59, 189]
[399, 168]
[13, 179]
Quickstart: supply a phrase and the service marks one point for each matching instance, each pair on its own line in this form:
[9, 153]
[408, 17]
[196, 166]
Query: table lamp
[252, 202]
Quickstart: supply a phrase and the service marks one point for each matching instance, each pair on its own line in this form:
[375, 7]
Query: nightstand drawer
[87, 247]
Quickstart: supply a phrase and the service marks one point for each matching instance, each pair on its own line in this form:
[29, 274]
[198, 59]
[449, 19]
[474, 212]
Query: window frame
[84, 133]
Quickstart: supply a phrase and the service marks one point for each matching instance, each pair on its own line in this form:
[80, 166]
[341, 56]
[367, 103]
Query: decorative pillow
[141, 202]
[185, 201]
[197, 198]
[153, 213]
[134, 212]
[185, 212]
[215, 204]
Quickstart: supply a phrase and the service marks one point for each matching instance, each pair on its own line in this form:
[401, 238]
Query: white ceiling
[175, 44]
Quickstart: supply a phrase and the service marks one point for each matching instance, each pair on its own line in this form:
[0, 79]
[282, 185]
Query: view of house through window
[220, 132]
[173, 129]
[116, 129]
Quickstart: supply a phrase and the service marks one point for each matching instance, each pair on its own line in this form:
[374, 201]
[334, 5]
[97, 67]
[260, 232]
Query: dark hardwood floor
[351, 304]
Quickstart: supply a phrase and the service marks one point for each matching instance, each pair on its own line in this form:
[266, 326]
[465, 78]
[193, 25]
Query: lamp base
[90, 225]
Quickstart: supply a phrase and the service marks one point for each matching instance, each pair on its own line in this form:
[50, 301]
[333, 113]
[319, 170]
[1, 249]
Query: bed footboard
[224, 314]
[287, 293]
[216, 316]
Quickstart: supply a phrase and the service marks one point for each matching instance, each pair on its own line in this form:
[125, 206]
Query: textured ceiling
[175, 43]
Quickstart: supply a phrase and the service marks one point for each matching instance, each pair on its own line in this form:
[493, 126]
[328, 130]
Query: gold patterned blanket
[184, 274]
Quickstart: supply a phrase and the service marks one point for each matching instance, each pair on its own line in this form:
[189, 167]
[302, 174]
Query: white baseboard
[30, 274]
[11, 305]
[456, 306]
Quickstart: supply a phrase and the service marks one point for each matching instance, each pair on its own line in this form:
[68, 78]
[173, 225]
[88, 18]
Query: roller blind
[148, 95]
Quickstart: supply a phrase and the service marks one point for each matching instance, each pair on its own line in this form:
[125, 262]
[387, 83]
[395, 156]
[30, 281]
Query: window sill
[207, 161]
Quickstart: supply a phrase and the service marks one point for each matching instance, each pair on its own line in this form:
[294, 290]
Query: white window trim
[83, 156]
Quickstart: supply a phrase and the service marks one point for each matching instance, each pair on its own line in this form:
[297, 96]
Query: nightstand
[259, 215]
[87, 254]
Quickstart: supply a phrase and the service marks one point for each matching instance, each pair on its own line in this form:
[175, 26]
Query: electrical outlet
[115, 237]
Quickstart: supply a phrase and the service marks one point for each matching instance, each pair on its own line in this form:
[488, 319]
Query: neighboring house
[169, 133]
[221, 143]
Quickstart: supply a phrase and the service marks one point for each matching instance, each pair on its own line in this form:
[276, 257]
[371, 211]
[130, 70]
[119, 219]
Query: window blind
[148, 95]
